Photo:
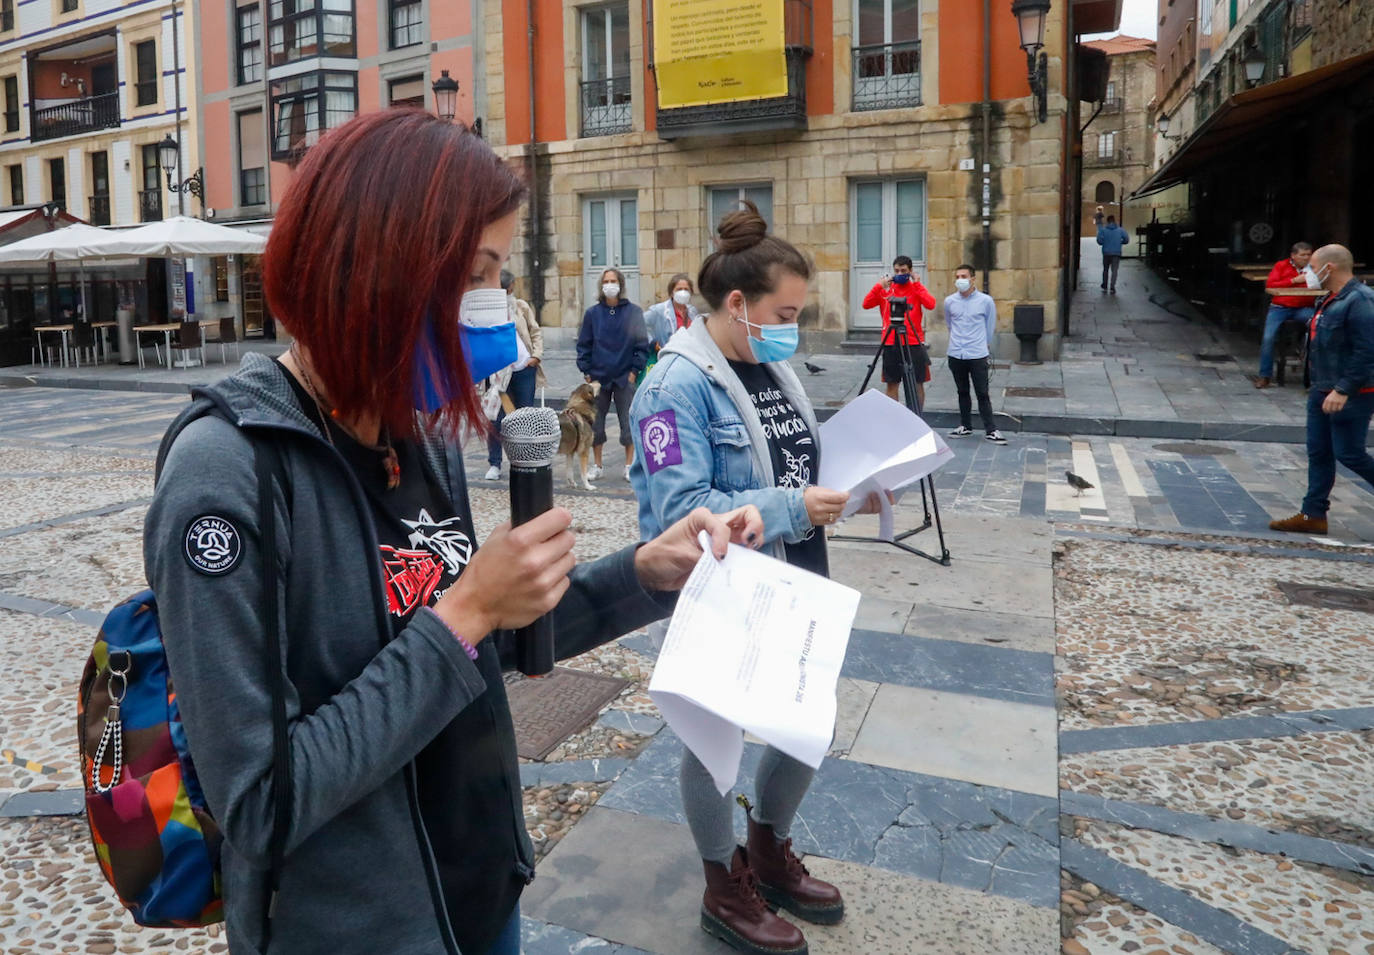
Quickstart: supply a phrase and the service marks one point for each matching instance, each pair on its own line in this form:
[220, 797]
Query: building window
[252, 159]
[70, 6]
[1106, 145]
[887, 57]
[606, 71]
[407, 24]
[887, 219]
[6, 15]
[726, 199]
[11, 104]
[100, 188]
[1106, 192]
[57, 181]
[16, 185]
[407, 91]
[305, 106]
[250, 44]
[610, 239]
[220, 263]
[303, 28]
[145, 85]
[150, 196]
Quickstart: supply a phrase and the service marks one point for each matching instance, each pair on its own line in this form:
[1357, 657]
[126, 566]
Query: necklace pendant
[392, 466]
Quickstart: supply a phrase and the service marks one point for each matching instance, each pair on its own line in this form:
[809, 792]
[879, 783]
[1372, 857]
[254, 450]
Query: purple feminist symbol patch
[658, 435]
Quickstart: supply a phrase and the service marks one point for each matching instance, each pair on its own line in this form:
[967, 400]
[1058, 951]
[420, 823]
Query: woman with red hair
[387, 818]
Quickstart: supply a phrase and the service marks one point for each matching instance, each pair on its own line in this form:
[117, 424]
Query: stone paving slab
[60, 802]
[637, 881]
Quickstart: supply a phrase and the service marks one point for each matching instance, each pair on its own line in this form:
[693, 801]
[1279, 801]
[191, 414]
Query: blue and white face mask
[489, 344]
[779, 342]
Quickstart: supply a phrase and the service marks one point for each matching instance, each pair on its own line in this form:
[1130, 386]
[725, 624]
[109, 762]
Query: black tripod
[929, 505]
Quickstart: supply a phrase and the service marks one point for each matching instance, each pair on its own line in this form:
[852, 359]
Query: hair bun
[742, 229]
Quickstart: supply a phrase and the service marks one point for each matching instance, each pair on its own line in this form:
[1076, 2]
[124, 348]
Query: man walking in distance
[1340, 357]
[902, 292]
[1288, 273]
[1112, 238]
[972, 317]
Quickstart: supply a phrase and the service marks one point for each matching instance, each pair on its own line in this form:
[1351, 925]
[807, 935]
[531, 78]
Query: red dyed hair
[377, 232]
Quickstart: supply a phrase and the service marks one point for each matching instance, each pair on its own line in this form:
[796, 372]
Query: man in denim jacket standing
[1340, 356]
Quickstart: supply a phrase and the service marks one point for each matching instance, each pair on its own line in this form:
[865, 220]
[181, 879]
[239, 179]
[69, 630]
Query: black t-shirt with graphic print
[425, 543]
[792, 448]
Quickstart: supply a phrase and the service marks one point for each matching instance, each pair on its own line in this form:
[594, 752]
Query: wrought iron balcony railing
[1111, 106]
[1095, 157]
[79, 116]
[606, 106]
[99, 207]
[150, 205]
[887, 75]
[779, 112]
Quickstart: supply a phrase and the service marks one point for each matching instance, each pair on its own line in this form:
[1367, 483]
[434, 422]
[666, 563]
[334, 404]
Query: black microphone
[530, 438]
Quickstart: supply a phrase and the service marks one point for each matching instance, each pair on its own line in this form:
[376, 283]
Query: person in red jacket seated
[905, 287]
[1290, 273]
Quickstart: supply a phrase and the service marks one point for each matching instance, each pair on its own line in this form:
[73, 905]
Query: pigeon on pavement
[1078, 484]
[814, 369]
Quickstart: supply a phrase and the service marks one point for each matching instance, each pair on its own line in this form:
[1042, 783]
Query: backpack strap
[268, 465]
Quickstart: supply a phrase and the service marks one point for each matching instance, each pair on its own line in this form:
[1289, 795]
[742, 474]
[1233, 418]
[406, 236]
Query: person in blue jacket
[1112, 238]
[612, 347]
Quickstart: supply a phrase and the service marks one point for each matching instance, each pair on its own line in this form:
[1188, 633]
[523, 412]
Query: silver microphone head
[530, 437]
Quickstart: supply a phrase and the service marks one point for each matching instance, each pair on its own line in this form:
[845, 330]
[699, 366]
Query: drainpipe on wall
[176, 87]
[987, 142]
[534, 238]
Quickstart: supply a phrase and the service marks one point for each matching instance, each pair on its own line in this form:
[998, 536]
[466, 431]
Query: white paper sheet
[877, 445]
[755, 645]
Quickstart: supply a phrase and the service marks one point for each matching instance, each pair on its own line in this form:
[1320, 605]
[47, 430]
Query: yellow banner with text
[718, 51]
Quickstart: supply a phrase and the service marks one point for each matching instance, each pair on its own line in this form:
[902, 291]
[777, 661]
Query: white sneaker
[493, 473]
[593, 472]
[961, 432]
[996, 437]
[627, 472]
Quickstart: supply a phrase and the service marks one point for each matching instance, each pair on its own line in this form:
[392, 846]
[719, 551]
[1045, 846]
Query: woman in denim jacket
[722, 421]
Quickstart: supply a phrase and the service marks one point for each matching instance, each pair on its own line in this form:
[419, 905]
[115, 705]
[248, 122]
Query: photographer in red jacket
[902, 296]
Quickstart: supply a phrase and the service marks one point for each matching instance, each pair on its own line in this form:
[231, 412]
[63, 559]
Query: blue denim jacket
[699, 443]
[1341, 352]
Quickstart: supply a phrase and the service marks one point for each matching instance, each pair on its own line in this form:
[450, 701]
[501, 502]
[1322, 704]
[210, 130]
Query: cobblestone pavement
[1132, 739]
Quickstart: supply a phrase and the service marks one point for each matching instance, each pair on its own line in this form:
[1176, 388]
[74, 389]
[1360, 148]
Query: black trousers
[621, 395]
[975, 370]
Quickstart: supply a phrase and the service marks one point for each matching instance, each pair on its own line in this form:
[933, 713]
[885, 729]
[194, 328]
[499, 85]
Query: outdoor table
[1297, 290]
[40, 330]
[167, 330]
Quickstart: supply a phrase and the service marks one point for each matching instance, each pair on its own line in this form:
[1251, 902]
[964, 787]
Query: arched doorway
[1106, 191]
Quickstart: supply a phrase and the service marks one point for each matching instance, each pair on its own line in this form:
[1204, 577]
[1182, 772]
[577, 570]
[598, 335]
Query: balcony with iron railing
[777, 112]
[99, 207]
[887, 75]
[606, 106]
[150, 205]
[85, 115]
[1097, 157]
[1111, 106]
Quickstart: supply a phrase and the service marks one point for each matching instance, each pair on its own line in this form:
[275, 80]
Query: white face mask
[682, 296]
[1314, 279]
[484, 307]
[963, 285]
[610, 290]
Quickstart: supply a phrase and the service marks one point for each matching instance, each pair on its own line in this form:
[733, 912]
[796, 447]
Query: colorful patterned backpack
[154, 837]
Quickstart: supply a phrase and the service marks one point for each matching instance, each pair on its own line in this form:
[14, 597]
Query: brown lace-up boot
[784, 881]
[1300, 524]
[733, 911]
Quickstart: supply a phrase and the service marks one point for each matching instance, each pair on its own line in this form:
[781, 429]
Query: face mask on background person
[779, 342]
[1315, 280]
[901, 278]
[963, 285]
[682, 296]
[610, 290]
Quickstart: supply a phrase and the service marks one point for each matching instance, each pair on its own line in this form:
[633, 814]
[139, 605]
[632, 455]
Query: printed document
[755, 646]
[877, 445]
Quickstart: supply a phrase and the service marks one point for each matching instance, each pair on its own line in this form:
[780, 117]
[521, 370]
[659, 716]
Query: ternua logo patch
[213, 545]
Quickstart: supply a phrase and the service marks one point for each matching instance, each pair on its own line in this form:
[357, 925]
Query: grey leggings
[779, 785]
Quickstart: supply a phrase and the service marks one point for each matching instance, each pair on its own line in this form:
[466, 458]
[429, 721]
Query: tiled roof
[1121, 43]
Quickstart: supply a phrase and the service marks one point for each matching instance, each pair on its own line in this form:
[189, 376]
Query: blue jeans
[508, 942]
[1341, 437]
[1277, 315]
[521, 391]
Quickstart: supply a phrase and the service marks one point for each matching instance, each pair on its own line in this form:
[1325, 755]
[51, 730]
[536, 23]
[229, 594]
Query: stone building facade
[875, 153]
[1341, 29]
[1118, 144]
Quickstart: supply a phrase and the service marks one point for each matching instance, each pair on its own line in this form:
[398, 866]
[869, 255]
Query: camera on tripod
[899, 307]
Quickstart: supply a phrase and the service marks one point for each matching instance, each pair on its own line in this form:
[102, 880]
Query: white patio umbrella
[181, 236]
[69, 244]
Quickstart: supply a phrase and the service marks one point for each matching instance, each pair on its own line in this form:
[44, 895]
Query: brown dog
[576, 425]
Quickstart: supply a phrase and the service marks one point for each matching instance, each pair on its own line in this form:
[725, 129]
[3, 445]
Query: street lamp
[1162, 124]
[446, 96]
[1030, 17]
[1254, 66]
[167, 152]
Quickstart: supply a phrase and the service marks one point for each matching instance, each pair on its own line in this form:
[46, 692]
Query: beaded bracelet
[468, 648]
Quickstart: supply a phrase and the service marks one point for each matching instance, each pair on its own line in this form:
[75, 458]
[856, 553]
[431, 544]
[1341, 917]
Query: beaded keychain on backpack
[114, 726]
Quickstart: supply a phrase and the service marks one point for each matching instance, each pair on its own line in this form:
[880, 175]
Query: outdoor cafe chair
[227, 336]
[83, 340]
[188, 339]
